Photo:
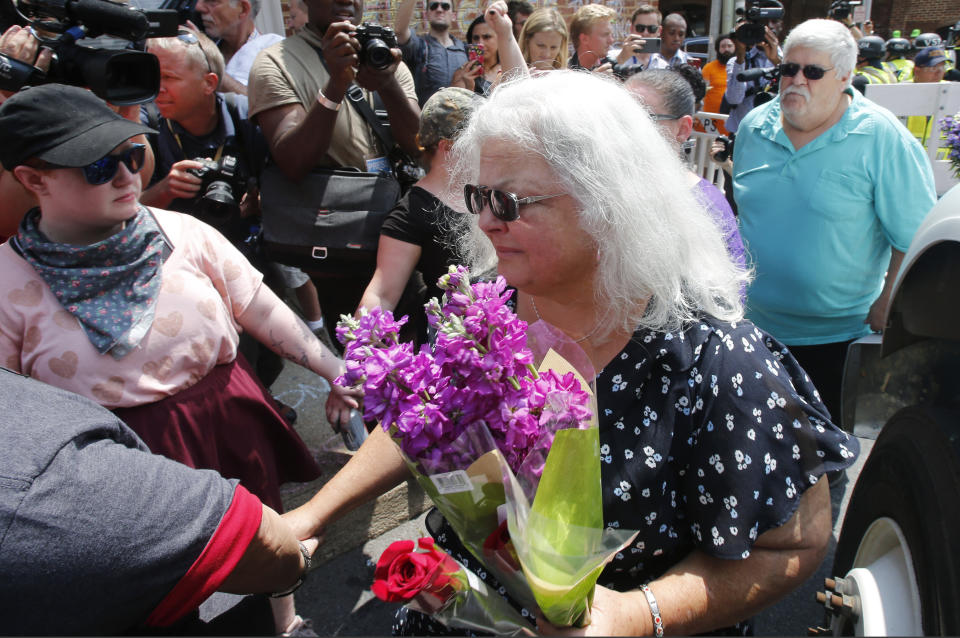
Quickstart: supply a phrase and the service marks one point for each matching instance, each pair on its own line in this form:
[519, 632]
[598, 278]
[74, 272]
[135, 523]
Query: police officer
[897, 62]
[869, 63]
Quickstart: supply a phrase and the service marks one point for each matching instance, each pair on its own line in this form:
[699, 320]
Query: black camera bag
[329, 221]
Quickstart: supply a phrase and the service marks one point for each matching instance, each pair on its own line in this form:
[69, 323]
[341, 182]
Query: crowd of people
[140, 313]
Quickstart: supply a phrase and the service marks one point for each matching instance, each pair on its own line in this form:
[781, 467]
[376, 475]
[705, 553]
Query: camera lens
[376, 54]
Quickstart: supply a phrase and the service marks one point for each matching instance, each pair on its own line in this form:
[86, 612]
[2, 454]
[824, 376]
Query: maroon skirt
[227, 422]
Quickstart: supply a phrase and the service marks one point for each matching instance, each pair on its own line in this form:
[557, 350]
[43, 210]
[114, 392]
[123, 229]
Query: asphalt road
[337, 597]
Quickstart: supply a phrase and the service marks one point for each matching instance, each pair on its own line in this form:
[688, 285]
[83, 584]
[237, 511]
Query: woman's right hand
[339, 403]
[464, 76]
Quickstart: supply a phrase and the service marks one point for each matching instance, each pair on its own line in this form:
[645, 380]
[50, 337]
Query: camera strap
[356, 98]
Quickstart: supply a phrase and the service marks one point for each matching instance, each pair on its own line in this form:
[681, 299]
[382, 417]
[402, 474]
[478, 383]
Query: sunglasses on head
[446, 6]
[191, 38]
[651, 28]
[810, 71]
[504, 205]
[105, 168]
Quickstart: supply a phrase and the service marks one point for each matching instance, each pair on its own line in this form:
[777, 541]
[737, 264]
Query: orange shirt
[715, 75]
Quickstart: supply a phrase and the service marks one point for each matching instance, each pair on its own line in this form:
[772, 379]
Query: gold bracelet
[327, 102]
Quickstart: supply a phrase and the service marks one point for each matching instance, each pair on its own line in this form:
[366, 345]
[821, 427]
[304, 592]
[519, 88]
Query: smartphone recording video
[650, 45]
[475, 52]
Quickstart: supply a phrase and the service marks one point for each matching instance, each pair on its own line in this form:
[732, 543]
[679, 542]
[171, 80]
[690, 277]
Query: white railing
[926, 99]
[699, 156]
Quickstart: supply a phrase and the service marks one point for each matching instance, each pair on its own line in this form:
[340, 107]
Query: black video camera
[119, 76]
[754, 30]
[840, 9]
[375, 44]
[222, 188]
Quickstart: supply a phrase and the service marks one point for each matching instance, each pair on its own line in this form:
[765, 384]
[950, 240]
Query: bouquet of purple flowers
[479, 371]
[494, 440]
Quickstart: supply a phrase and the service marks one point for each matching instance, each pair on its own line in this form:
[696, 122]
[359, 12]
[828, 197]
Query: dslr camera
[755, 28]
[375, 44]
[222, 188]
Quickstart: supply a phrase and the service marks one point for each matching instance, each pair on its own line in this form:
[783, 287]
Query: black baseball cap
[62, 125]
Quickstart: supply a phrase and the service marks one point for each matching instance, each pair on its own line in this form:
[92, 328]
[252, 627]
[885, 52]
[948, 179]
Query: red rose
[498, 550]
[403, 573]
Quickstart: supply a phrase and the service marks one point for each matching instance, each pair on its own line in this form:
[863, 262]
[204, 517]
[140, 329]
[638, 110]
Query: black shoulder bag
[329, 222]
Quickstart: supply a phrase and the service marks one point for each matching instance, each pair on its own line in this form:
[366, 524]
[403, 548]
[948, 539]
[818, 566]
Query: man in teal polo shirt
[830, 189]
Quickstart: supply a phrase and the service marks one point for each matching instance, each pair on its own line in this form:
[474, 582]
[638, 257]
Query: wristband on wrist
[303, 576]
[327, 102]
[654, 610]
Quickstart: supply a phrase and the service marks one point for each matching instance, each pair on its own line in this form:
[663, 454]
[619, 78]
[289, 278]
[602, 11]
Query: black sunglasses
[810, 71]
[504, 205]
[651, 28]
[437, 5]
[105, 168]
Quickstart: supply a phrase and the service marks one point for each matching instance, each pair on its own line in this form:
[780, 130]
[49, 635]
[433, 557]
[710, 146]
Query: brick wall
[907, 15]
[382, 11]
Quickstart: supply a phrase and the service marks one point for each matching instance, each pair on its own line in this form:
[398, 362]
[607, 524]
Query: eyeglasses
[810, 71]
[446, 6]
[191, 38]
[651, 28]
[505, 206]
[658, 117]
[105, 168]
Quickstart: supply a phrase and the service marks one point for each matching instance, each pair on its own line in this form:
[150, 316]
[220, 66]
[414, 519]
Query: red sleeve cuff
[223, 551]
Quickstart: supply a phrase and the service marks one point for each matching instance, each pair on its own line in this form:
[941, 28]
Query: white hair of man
[254, 7]
[203, 55]
[829, 36]
[674, 20]
[656, 241]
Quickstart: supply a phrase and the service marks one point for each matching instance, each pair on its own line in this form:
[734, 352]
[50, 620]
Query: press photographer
[209, 154]
[302, 94]
[121, 76]
[756, 46]
[841, 10]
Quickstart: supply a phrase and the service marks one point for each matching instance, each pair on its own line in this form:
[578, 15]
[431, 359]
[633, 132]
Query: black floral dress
[708, 438]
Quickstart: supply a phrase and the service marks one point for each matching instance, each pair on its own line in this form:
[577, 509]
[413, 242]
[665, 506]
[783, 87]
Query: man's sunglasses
[105, 168]
[446, 6]
[810, 71]
[651, 28]
[505, 206]
[189, 38]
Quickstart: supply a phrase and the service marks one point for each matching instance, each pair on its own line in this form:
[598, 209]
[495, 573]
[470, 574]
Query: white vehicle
[897, 561]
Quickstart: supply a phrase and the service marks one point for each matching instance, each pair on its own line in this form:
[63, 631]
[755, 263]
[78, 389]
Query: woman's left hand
[613, 614]
[339, 403]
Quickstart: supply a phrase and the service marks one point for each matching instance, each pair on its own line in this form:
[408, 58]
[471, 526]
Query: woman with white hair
[713, 442]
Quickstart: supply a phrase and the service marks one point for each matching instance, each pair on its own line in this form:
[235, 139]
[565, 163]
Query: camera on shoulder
[375, 44]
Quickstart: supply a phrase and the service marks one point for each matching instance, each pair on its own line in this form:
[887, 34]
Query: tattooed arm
[275, 325]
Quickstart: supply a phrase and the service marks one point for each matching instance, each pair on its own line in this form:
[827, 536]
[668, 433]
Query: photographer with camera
[840, 11]
[300, 95]
[756, 46]
[436, 58]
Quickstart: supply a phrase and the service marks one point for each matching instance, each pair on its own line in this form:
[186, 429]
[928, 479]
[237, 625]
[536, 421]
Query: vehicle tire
[913, 477]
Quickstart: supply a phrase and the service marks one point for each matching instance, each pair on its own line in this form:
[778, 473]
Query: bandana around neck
[111, 286]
